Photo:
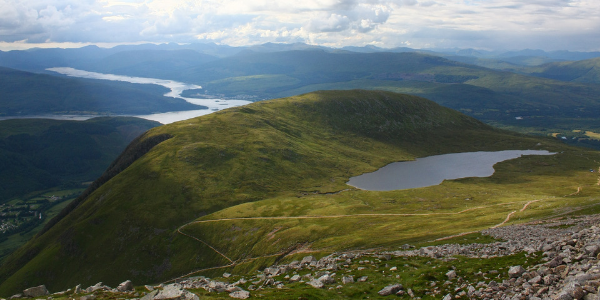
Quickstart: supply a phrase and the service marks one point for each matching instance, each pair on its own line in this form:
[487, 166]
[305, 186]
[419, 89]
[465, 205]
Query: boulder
[176, 292]
[451, 274]
[150, 296]
[347, 279]
[574, 290]
[240, 295]
[295, 278]
[390, 289]
[326, 279]
[36, 291]
[516, 271]
[317, 284]
[307, 260]
[125, 286]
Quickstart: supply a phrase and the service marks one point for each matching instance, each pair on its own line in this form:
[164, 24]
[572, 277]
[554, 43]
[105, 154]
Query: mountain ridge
[279, 149]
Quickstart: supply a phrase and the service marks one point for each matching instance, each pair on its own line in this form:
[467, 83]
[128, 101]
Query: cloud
[510, 24]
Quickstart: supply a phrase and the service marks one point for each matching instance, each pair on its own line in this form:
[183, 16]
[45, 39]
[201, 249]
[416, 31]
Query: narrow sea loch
[433, 170]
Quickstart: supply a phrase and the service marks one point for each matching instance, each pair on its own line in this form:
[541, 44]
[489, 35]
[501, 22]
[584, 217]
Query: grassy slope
[274, 158]
[583, 71]
[25, 93]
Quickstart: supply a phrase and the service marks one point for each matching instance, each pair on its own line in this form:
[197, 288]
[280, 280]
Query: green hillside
[583, 71]
[25, 93]
[286, 162]
[38, 154]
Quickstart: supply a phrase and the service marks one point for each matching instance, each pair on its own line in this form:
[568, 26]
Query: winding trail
[203, 242]
[238, 262]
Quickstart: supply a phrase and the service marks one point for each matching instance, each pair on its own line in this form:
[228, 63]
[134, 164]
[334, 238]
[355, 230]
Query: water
[432, 170]
[176, 88]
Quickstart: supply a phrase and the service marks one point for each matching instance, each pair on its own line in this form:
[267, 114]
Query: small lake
[176, 89]
[432, 170]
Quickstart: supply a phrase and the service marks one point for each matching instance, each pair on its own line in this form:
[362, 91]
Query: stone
[326, 279]
[36, 291]
[150, 296]
[347, 279]
[307, 260]
[149, 288]
[226, 275]
[574, 290]
[516, 271]
[315, 283]
[390, 289]
[125, 286]
[451, 274]
[363, 279]
[93, 288]
[592, 250]
[240, 295]
[176, 292]
[16, 296]
[88, 297]
[77, 289]
[535, 280]
[295, 278]
[447, 297]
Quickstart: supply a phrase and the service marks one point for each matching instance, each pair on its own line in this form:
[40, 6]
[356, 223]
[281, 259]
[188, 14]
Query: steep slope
[296, 148]
[37, 154]
[25, 93]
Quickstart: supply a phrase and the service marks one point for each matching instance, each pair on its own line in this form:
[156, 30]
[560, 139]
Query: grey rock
[347, 279]
[240, 294]
[516, 271]
[574, 290]
[326, 279]
[390, 289]
[447, 297]
[535, 280]
[315, 283]
[150, 296]
[16, 296]
[36, 291]
[363, 279]
[592, 250]
[149, 288]
[176, 292]
[77, 289]
[295, 278]
[307, 260]
[226, 275]
[451, 274]
[87, 297]
[125, 286]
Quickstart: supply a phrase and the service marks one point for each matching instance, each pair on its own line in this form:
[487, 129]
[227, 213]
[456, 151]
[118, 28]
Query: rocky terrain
[566, 251]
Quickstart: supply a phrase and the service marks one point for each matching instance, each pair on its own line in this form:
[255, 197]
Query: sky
[481, 24]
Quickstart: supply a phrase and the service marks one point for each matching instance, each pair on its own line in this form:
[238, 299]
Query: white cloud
[549, 24]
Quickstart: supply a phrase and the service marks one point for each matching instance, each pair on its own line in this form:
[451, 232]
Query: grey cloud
[331, 23]
[363, 18]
